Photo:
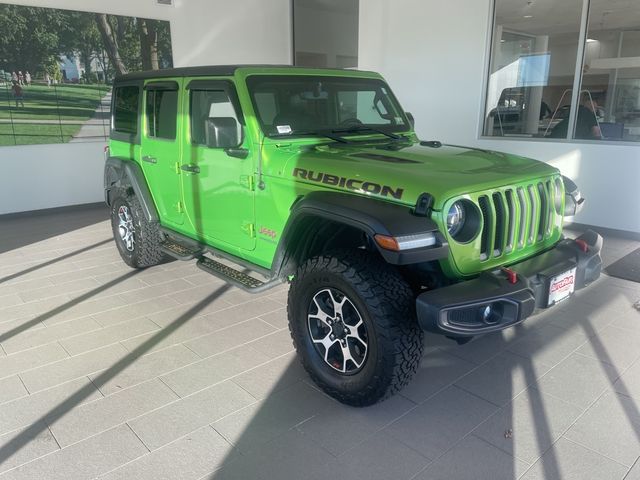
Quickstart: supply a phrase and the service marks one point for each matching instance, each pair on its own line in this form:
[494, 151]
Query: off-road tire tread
[148, 235]
[391, 306]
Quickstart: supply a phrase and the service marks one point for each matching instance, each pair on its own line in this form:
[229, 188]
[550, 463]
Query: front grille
[516, 217]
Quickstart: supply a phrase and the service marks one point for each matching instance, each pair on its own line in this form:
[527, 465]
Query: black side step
[235, 277]
[179, 250]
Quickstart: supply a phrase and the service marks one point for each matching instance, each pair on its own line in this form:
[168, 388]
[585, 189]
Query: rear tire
[138, 240]
[364, 311]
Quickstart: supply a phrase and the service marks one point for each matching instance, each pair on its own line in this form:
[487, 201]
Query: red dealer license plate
[562, 286]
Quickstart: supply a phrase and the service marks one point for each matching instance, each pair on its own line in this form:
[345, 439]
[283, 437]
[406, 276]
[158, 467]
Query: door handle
[190, 168]
[149, 159]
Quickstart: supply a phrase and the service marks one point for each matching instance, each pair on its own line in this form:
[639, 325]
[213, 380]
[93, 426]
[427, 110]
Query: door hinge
[248, 181]
[179, 207]
[249, 229]
[177, 168]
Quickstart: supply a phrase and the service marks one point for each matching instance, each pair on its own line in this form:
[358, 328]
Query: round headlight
[455, 218]
[463, 221]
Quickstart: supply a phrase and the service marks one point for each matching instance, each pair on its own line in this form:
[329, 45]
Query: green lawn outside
[75, 103]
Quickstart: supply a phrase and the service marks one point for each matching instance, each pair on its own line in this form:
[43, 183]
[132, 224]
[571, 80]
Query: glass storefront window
[533, 62]
[610, 83]
[538, 49]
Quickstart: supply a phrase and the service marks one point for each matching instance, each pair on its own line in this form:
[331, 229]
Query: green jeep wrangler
[316, 177]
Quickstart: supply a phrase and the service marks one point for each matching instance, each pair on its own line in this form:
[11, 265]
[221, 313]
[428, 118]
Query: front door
[217, 187]
[160, 147]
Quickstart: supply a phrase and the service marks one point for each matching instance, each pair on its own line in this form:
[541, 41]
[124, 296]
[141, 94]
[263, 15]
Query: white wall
[434, 56]
[203, 32]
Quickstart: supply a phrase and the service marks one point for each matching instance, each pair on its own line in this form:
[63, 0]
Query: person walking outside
[20, 78]
[18, 94]
[27, 78]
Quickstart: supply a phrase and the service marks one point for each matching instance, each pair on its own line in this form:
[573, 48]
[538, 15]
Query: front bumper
[493, 301]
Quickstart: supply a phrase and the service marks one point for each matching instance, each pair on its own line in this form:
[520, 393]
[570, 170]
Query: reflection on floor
[168, 373]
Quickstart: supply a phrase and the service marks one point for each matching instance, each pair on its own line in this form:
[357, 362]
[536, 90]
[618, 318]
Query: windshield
[317, 105]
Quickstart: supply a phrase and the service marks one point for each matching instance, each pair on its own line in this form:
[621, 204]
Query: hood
[401, 171]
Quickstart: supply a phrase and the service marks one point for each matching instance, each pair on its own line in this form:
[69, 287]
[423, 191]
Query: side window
[125, 109]
[206, 104]
[161, 111]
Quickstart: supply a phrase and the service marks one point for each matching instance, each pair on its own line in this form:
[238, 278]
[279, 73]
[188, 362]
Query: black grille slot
[544, 206]
[499, 228]
[483, 202]
[522, 228]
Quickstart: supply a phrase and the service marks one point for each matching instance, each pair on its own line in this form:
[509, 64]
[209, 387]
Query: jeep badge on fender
[316, 177]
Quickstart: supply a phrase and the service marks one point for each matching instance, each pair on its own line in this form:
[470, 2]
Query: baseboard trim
[55, 210]
[606, 231]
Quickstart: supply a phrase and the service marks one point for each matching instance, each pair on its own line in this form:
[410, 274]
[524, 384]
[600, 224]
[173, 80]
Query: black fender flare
[370, 215]
[122, 173]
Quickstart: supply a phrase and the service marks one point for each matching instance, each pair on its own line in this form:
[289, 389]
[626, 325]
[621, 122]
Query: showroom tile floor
[169, 373]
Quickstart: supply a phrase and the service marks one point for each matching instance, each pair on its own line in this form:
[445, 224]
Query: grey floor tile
[101, 337]
[127, 311]
[615, 346]
[41, 336]
[440, 422]
[339, 428]
[482, 348]
[578, 380]
[274, 344]
[172, 421]
[249, 428]
[529, 425]
[611, 427]
[230, 337]
[102, 414]
[191, 457]
[144, 368]
[31, 443]
[277, 318]
[380, 457]
[568, 460]
[33, 358]
[11, 388]
[634, 473]
[72, 367]
[83, 460]
[204, 373]
[437, 370]
[271, 377]
[31, 408]
[503, 377]
[629, 382]
[289, 456]
[474, 459]
[549, 344]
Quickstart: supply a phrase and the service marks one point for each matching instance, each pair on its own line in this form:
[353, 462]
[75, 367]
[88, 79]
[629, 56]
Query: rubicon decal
[349, 183]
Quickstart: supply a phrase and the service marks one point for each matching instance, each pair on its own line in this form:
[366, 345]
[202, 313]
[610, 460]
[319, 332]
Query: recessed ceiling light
[528, 16]
[589, 40]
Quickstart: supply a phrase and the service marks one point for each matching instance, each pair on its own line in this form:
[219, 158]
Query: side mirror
[412, 120]
[222, 132]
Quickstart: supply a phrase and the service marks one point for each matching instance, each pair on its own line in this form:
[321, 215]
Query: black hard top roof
[214, 70]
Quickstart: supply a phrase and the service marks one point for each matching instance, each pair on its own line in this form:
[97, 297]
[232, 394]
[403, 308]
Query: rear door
[160, 146]
[218, 188]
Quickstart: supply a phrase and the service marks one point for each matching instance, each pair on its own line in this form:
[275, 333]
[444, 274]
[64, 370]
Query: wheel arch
[322, 220]
[125, 173]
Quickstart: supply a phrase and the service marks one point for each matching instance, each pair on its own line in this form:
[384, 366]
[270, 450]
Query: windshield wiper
[366, 128]
[316, 133]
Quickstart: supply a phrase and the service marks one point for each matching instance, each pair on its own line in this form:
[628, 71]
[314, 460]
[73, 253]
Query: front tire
[352, 320]
[138, 240]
